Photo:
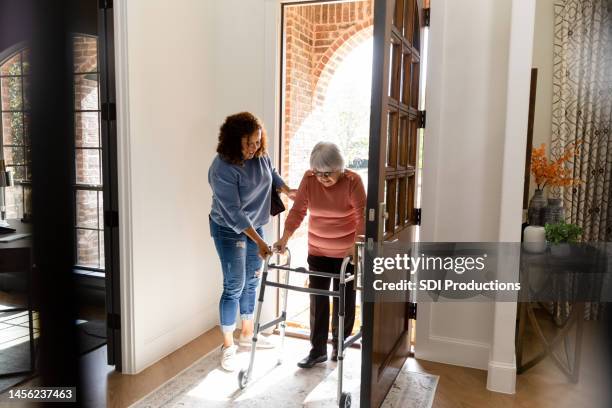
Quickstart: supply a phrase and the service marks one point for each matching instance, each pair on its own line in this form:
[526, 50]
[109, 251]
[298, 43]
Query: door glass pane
[87, 248]
[85, 54]
[398, 16]
[12, 66]
[408, 19]
[406, 76]
[87, 209]
[392, 135]
[412, 143]
[86, 92]
[101, 242]
[401, 208]
[101, 212]
[14, 155]
[12, 97]
[397, 218]
[414, 97]
[391, 194]
[19, 172]
[403, 141]
[410, 188]
[88, 166]
[12, 128]
[87, 129]
[416, 32]
[395, 64]
[386, 197]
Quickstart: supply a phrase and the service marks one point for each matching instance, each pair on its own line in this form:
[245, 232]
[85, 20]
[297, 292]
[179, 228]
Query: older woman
[336, 199]
[241, 177]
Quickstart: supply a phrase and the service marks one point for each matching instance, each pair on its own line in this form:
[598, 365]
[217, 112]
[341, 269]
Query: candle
[534, 239]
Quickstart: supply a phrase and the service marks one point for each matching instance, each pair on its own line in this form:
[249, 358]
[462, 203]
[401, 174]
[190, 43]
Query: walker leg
[342, 288]
[283, 323]
[256, 324]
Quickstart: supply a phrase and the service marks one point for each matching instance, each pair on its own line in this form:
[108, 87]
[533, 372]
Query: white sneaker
[262, 342]
[228, 358]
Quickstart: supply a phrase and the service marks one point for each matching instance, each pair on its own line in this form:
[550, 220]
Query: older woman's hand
[289, 192]
[280, 246]
[292, 193]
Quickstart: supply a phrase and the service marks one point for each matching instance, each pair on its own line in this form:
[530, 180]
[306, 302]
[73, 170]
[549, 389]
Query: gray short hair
[326, 156]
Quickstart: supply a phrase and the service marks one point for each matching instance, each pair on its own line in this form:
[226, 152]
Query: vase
[534, 239]
[536, 205]
[553, 213]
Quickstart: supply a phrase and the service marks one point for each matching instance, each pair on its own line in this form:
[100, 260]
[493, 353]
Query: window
[89, 223]
[14, 120]
[15, 143]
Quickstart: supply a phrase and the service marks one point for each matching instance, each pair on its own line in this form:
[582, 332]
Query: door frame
[124, 188]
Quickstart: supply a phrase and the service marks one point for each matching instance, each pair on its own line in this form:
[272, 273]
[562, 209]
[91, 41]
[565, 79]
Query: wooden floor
[543, 386]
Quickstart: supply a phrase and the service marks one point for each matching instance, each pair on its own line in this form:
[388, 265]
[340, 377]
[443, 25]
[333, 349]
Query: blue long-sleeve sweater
[241, 194]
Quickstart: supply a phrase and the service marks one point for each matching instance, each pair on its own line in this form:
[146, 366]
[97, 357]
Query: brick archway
[334, 56]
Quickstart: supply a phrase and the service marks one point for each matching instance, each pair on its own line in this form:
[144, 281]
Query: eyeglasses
[323, 174]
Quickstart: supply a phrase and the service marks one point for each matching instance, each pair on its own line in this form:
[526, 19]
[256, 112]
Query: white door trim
[126, 274]
[502, 362]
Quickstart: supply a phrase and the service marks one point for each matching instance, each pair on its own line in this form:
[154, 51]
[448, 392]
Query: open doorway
[325, 96]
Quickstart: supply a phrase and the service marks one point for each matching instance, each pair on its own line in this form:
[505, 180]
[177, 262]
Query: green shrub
[562, 232]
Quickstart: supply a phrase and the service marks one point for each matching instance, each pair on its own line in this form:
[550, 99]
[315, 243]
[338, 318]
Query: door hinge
[412, 310]
[421, 119]
[105, 4]
[426, 17]
[417, 216]
[109, 111]
[111, 218]
[113, 321]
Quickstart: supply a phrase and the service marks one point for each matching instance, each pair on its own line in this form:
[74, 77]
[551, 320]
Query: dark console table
[569, 275]
[16, 258]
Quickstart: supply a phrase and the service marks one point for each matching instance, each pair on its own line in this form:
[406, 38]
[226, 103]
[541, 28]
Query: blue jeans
[239, 263]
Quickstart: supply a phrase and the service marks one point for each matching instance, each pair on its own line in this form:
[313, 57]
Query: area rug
[206, 384]
[91, 335]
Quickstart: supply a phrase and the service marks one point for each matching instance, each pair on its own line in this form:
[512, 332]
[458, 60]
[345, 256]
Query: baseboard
[455, 351]
[158, 348]
[501, 377]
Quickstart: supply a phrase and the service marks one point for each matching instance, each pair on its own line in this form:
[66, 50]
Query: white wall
[182, 66]
[463, 172]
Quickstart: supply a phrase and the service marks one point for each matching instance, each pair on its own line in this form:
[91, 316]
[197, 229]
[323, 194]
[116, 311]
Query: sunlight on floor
[271, 381]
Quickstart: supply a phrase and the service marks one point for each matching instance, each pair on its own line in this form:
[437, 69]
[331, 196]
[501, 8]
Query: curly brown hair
[234, 129]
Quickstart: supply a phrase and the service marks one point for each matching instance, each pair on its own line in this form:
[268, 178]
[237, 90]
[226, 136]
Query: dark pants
[319, 305]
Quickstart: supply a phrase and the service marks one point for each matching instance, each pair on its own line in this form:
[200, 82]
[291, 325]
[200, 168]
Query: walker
[343, 398]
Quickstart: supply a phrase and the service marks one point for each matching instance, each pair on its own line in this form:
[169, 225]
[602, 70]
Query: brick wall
[317, 38]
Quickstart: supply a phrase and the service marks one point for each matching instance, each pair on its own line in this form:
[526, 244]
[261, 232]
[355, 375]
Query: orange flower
[553, 172]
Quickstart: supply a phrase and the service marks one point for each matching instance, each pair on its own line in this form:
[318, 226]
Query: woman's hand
[281, 245]
[264, 250]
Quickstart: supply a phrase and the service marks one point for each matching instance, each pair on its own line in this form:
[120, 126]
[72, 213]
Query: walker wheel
[345, 400]
[243, 379]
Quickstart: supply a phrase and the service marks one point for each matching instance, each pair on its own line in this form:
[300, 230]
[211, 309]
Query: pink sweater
[336, 213]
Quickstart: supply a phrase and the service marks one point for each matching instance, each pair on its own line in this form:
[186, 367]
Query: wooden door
[391, 215]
